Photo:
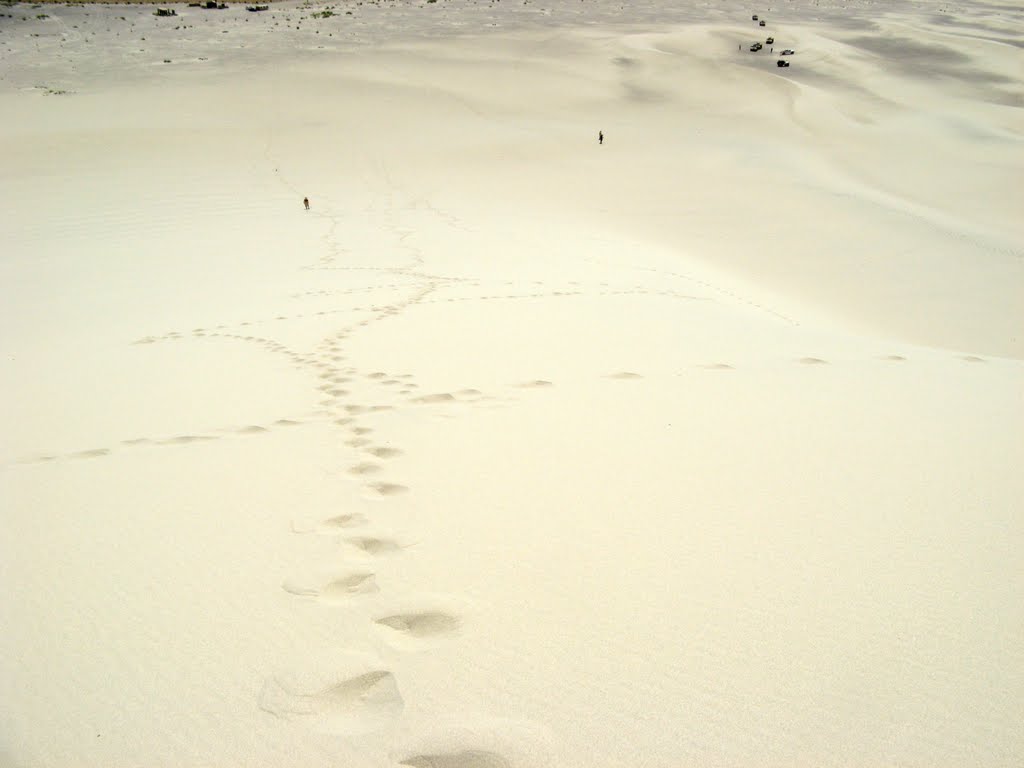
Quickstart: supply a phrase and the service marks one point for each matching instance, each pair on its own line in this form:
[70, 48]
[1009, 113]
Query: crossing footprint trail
[350, 398]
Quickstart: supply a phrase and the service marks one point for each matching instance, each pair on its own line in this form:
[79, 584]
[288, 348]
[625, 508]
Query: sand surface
[699, 447]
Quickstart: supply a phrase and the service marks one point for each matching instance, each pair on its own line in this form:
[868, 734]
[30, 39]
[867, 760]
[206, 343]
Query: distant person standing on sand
[600, 137]
[305, 202]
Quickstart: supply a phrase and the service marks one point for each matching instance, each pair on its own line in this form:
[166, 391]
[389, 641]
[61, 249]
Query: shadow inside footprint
[425, 624]
[386, 489]
[358, 705]
[624, 375]
[374, 546]
[471, 758]
[384, 452]
[345, 587]
[344, 521]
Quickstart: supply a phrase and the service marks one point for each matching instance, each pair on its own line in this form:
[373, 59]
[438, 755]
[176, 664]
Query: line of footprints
[350, 693]
[334, 388]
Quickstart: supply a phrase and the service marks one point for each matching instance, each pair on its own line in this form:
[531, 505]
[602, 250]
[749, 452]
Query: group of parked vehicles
[755, 47]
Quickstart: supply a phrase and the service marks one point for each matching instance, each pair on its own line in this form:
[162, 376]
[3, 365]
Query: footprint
[625, 375]
[895, 358]
[343, 588]
[386, 489]
[384, 452]
[718, 367]
[469, 393]
[91, 454]
[440, 397]
[373, 545]
[185, 439]
[366, 468]
[357, 442]
[350, 520]
[535, 384]
[252, 429]
[471, 758]
[294, 589]
[813, 361]
[286, 423]
[362, 704]
[973, 359]
[334, 524]
[420, 625]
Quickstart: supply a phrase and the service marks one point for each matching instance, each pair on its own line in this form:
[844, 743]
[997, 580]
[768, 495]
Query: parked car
[782, 63]
[760, 23]
[788, 52]
[756, 47]
[754, 17]
[769, 41]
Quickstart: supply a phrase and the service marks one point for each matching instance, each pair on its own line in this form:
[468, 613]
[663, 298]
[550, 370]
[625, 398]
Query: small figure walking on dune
[600, 137]
[305, 202]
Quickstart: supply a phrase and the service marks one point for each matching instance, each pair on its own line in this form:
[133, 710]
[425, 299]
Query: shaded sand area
[700, 446]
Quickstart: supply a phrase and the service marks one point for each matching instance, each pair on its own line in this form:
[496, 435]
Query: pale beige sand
[700, 447]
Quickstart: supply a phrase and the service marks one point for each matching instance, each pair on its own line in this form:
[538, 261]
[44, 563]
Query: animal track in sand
[374, 545]
[470, 758]
[813, 361]
[357, 705]
[421, 625]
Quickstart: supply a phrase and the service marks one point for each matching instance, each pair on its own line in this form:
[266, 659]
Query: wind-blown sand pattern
[697, 446]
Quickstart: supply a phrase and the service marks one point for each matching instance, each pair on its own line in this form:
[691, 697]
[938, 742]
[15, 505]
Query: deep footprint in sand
[348, 586]
[382, 490]
[361, 704]
[421, 625]
[470, 758]
[373, 545]
[383, 451]
[439, 397]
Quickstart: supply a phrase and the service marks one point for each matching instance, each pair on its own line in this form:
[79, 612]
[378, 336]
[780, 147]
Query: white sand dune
[697, 447]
